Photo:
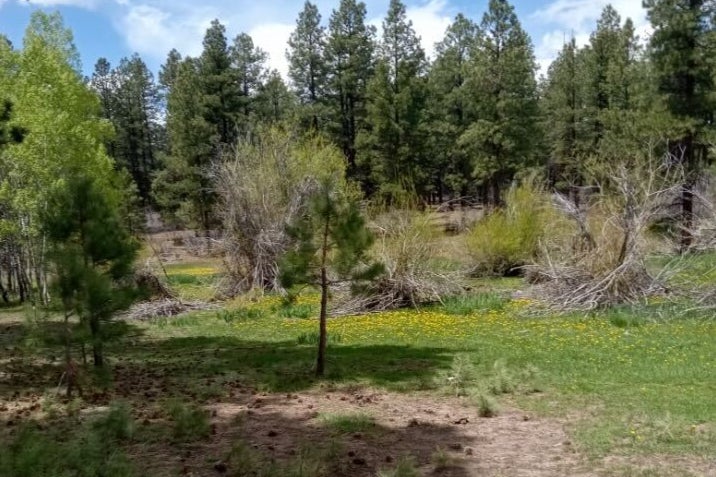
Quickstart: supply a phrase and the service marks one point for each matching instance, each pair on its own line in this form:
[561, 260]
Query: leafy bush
[349, 423]
[117, 424]
[467, 304]
[190, 422]
[509, 238]
[92, 452]
[406, 468]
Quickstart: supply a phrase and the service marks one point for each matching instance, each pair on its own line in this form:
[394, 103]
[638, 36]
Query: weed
[117, 424]
[441, 459]
[300, 311]
[461, 375]
[190, 422]
[502, 380]
[313, 337]
[406, 468]
[469, 304]
[348, 423]
[240, 314]
[487, 405]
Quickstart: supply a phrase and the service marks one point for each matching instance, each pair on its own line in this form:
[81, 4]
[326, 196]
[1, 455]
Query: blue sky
[117, 28]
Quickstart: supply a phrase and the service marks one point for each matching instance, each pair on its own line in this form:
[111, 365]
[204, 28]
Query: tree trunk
[322, 331]
[97, 353]
[687, 217]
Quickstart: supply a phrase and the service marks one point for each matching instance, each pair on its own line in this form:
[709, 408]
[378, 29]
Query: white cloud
[91, 4]
[430, 22]
[154, 27]
[577, 18]
[153, 31]
[273, 39]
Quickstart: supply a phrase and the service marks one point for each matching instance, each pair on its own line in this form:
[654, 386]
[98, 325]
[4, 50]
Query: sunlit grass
[613, 369]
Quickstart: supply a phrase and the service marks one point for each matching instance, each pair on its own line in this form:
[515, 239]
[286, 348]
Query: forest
[384, 264]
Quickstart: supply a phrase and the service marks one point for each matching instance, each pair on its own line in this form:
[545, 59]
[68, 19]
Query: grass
[348, 423]
[608, 366]
[631, 380]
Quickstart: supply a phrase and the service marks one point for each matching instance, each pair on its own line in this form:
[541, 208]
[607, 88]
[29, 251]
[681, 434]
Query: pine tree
[681, 49]
[275, 102]
[394, 143]
[183, 188]
[504, 139]
[218, 91]
[563, 104]
[349, 58]
[307, 65]
[450, 108]
[92, 253]
[331, 239]
[248, 63]
[131, 102]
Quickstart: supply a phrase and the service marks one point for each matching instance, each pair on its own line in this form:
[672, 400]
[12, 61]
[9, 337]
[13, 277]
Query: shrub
[509, 238]
[190, 422]
[487, 405]
[117, 424]
[406, 468]
[349, 423]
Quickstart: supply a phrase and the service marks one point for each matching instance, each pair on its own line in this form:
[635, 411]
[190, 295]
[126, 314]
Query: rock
[462, 421]
[359, 461]
[456, 446]
[272, 433]
[469, 451]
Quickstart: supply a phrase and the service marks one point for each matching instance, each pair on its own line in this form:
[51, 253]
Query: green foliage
[502, 141]
[93, 255]
[349, 56]
[509, 238]
[406, 468]
[116, 425]
[93, 451]
[189, 421]
[469, 304]
[348, 423]
[313, 338]
[487, 405]
[392, 144]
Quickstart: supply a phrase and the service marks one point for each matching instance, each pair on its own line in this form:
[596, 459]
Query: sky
[117, 28]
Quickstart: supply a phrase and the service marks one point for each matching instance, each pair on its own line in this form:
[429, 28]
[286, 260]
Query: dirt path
[512, 444]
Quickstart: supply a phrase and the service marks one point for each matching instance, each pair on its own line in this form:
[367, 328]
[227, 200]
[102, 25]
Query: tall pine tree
[307, 67]
[393, 142]
[349, 56]
[682, 51]
[504, 138]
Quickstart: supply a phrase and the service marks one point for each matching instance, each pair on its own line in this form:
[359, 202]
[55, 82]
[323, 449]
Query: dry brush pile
[600, 258]
[263, 189]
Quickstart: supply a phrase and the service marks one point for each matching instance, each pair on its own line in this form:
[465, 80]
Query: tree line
[462, 125]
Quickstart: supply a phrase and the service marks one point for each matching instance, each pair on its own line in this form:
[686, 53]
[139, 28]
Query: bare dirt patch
[278, 426]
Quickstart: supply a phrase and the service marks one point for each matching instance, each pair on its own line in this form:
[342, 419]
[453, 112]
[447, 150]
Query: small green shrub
[190, 422]
[467, 304]
[240, 314]
[509, 237]
[441, 459]
[502, 380]
[348, 423]
[299, 311]
[461, 375]
[117, 424]
[84, 454]
[313, 337]
[487, 405]
[406, 468]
